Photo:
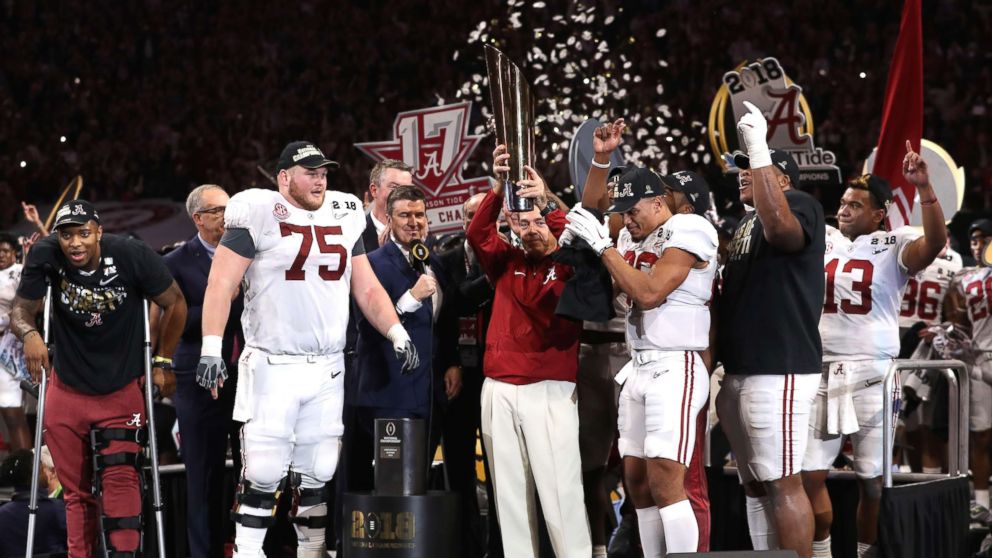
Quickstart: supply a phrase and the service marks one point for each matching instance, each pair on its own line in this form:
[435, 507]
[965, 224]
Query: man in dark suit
[384, 177]
[205, 424]
[426, 304]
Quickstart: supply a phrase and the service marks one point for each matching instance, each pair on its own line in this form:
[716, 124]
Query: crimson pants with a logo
[69, 417]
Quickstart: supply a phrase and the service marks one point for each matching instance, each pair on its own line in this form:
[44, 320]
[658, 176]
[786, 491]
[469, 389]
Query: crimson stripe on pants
[685, 389]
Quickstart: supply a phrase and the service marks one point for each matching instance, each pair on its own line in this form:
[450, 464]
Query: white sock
[599, 551]
[867, 550]
[821, 549]
[681, 530]
[932, 470]
[982, 497]
[652, 532]
[248, 540]
[761, 524]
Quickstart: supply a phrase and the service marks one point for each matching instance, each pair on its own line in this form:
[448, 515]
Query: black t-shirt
[769, 309]
[97, 325]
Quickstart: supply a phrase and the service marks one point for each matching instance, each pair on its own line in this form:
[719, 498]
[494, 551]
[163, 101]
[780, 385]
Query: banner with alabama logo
[790, 122]
[436, 143]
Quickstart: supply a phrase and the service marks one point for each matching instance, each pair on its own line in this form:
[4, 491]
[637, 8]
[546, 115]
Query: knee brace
[100, 439]
[252, 497]
[309, 517]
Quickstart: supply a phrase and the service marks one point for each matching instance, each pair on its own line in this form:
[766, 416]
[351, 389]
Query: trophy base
[513, 201]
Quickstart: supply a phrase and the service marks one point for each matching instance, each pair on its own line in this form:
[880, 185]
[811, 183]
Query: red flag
[902, 114]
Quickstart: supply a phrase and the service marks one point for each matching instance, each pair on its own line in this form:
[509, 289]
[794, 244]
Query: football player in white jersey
[866, 270]
[664, 264]
[300, 254]
[923, 299]
[969, 304]
[923, 303]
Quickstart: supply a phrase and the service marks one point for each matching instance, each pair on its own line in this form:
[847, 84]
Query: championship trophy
[514, 112]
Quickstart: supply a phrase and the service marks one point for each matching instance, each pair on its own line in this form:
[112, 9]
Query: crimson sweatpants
[69, 417]
[696, 486]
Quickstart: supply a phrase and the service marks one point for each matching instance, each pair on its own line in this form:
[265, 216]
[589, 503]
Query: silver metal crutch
[152, 442]
[36, 460]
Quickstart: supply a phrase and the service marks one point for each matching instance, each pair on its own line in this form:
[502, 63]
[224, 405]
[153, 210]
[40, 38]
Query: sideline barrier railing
[959, 390]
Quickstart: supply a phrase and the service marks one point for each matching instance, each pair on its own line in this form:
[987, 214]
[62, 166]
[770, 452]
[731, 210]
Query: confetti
[571, 53]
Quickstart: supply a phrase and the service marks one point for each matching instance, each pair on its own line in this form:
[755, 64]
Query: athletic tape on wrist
[211, 346]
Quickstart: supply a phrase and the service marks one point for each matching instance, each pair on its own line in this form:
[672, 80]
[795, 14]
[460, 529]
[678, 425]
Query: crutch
[36, 458]
[153, 444]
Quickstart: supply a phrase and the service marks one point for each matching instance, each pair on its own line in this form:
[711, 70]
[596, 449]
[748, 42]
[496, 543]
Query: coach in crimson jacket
[530, 423]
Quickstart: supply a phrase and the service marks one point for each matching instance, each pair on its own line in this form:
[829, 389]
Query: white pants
[292, 407]
[659, 405]
[766, 419]
[10, 390]
[849, 401]
[531, 433]
[980, 410]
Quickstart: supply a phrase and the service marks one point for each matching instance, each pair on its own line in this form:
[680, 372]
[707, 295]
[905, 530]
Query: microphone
[419, 255]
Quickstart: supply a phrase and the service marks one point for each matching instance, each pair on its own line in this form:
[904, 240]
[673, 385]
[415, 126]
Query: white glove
[403, 346]
[566, 238]
[754, 130]
[587, 227]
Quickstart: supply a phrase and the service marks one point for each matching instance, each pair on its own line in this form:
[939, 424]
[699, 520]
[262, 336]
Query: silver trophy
[513, 109]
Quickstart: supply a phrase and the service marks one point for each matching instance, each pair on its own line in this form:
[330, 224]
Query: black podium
[424, 526]
[400, 519]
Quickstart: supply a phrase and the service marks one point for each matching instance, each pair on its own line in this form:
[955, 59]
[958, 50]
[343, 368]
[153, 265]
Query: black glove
[407, 354]
[210, 371]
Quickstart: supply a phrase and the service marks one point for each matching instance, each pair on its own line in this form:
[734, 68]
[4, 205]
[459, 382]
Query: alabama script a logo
[436, 142]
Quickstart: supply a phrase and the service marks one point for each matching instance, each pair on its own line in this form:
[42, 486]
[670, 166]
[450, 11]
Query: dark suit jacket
[190, 267]
[381, 383]
[474, 290]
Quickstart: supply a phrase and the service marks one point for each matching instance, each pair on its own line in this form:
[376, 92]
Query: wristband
[211, 346]
[29, 332]
[397, 332]
[599, 165]
[761, 157]
[928, 202]
[162, 362]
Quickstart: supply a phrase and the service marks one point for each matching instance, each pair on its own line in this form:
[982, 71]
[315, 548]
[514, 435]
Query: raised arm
[491, 250]
[781, 228]
[924, 250]
[605, 139]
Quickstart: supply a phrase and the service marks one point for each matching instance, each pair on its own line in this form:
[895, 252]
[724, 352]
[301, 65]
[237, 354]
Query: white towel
[244, 395]
[621, 376]
[841, 415]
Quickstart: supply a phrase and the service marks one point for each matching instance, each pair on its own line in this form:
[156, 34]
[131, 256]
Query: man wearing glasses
[205, 423]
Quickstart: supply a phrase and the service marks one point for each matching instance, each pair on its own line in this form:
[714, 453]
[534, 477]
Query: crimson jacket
[526, 342]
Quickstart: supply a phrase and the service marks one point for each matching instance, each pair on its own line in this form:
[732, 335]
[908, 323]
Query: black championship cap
[632, 187]
[693, 186]
[780, 159]
[305, 154]
[983, 225]
[76, 212]
[878, 188]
